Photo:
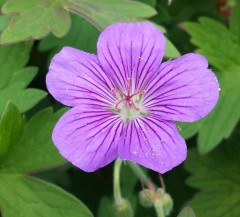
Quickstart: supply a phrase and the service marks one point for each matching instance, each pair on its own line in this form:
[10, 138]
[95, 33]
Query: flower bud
[166, 200]
[123, 209]
[145, 198]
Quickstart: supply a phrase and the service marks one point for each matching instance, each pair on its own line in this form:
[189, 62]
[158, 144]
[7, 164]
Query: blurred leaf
[102, 13]
[35, 19]
[105, 208]
[36, 198]
[11, 124]
[152, 3]
[82, 35]
[186, 212]
[234, 23]
[222, 50]
[14, 78]
[4, 21]
[2, 2]
[34, 150]
[187, 130]
[171, 51]
[217, 177]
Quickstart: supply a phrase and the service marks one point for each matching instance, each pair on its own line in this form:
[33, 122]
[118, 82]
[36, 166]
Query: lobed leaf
[14, 78]
[11, 124]
[34, 150]
[82, 36]
[218, 182]
[37, 18]
[222, 51]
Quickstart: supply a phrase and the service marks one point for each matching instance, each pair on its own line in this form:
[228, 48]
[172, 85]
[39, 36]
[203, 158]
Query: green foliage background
[36, 181]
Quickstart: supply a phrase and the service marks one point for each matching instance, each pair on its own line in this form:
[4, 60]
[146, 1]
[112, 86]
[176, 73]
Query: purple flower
[125, 101]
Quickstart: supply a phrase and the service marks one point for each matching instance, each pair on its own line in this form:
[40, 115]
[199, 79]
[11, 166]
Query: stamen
[115, 91]
[139, 92]
[122, 100]
[128, 86]
[127, 97]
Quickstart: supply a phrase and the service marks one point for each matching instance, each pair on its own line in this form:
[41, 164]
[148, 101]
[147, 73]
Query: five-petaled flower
[125, 101]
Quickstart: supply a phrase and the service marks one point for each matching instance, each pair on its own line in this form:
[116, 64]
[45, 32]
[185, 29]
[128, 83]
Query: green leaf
[102, 13]
[186, 212]
[22, 196]
[13, 58]
[23, 76]
[222, 51]
[35, 19]
[149, 2]
[11, 124]
[4, 21]
[36, 140]
[105, 208]
[14, 78]
[187, 130]
[82, 35]
[33, 150]
[234, 23]
[23, 98]
[2, 2]
[217, 177]
[222, 55]
[171, 51]
[222, 121]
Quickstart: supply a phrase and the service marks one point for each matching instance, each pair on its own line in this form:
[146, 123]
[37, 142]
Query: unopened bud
[146, 198]
[123, 209]
[167, 202]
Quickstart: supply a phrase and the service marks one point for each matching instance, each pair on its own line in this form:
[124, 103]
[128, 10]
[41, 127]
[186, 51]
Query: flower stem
[138, 172]
[116, 181]
[159, 208]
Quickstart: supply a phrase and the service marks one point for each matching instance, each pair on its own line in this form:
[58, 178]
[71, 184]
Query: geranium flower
[125, 101]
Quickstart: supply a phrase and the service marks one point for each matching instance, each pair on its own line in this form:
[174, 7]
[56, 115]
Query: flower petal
[131, 50]
[88, 137]
[153, 143]
[183, 90]
[75, 76]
